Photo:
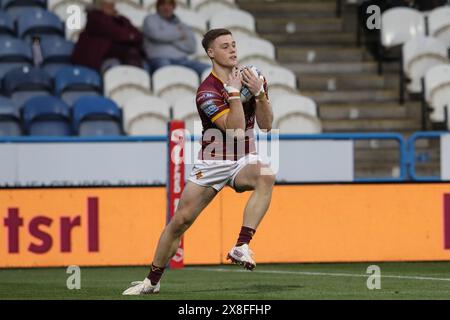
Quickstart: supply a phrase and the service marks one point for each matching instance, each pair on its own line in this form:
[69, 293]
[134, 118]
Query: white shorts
[218, 173]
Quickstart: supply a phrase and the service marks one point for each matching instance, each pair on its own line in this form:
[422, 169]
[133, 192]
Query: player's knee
[181, 223]
[266, 180]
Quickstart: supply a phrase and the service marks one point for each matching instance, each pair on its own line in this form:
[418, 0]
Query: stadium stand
[207, 8]
[146, 115]
[13, 53]
[194, 20]
[97, 116]
[73, 33]
[239, 22]
[38, 22]
[256, 51]
[295, 114]
[10, 120]
[122, 83]
[6, 25]
[186, 109]
[56, 53]
[46, 116]
[174, 82]
[24, 83]
[439, 24]
[394, 34]
[15, 8]
[419, 55]
[60, 7]
[75, 82]
[133, 11]
[282, 81]
[437, 93]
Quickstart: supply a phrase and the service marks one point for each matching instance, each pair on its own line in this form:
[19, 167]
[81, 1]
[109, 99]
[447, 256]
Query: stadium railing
[402, 174]
[413, 157]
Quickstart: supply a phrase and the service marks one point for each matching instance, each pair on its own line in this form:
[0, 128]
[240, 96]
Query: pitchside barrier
[142, 161]
[100, 226]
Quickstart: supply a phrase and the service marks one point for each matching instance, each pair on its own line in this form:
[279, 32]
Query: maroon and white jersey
[212, 103]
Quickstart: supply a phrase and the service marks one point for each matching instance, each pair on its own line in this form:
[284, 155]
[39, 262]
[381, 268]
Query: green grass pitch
[427, 280]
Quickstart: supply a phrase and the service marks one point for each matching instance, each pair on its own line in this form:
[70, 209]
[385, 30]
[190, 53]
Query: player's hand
[253, 83]
[235, 79]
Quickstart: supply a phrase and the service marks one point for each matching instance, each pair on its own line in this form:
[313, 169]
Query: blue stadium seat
[74, 82]
[38, 22]
[97, 116]
[5, 4]
[13, 53]
[56, 54]
[9, 118]
[26, 82]
[47, 116]
[56, 50]
[15, 8]
[6, 25]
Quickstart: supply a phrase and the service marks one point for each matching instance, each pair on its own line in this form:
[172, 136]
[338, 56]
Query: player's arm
[235, 118]
[263, 112]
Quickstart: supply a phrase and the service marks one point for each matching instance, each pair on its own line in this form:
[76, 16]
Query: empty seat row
[55, 52]
[143, 115]
[400, 25]
[437, 93]
[148, 115]
[419, 55]
[121, 83]
[31, 22]
[50, 116]
[70, 83]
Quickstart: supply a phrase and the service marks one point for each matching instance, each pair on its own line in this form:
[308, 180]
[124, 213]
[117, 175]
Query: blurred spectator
[167, 40]
[108, 39]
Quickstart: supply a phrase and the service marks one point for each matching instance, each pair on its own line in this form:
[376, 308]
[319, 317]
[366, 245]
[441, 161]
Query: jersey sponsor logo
[209, 108]
[206, 95]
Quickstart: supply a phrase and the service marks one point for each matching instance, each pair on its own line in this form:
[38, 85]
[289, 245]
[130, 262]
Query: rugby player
[228, 102]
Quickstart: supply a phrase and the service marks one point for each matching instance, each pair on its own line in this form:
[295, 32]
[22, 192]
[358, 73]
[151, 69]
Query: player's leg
[193, 200]
[260, 179]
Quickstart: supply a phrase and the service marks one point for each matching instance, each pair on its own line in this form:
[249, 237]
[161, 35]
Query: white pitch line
[302, 273]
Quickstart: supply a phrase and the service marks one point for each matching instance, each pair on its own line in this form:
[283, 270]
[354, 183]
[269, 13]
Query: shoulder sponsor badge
[209, 108]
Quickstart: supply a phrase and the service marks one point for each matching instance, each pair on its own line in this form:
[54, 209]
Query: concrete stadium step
[320, 54]
[377, 170]
[352, 96]
[368, 67]
[385, 144]
[370, 125]
[312, 38]
[266, 25]
[362, 110]
[336, 82]
[289, 9]
[381, 155]
[332, 68]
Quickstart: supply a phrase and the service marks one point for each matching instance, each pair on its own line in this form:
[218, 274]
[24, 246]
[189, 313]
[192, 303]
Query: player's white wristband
[233, 93]
[231, 89]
